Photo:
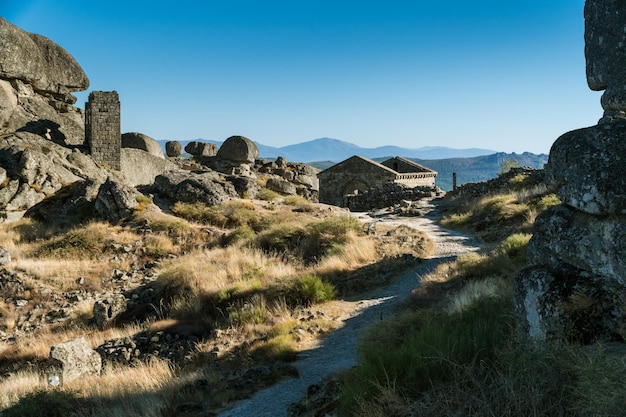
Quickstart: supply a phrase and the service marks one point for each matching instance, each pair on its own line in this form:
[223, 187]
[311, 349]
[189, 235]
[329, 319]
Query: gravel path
[337, 351]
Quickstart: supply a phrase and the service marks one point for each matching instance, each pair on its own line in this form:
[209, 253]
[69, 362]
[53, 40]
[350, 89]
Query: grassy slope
[248, 274]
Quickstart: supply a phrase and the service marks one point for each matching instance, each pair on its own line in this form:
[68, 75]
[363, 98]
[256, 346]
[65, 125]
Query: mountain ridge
[336, 150]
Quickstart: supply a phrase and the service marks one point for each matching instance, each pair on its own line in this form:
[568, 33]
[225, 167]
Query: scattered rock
[76, 359]
[115, 200]
[106, 311]
[5, 256]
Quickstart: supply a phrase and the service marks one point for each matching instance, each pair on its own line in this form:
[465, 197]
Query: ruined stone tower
[102, 127]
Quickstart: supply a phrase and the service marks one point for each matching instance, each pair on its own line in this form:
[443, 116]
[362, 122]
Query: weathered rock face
[574, 283]
[141, 168]
[106, 311]
[36, 168]
[116, 200]
[37, 78]
[280, 185]
[586, 165]
[5, 256]
[606, 54]
[206, 187]
[76, 359]
[143, 142]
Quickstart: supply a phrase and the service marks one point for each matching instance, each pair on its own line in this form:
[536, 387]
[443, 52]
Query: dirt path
[337, 351]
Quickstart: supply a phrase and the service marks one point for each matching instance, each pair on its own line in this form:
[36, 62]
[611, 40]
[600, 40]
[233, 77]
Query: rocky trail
[337, 351]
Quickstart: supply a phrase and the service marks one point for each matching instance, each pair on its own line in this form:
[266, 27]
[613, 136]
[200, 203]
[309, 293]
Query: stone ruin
[575, 281]
[102, 128]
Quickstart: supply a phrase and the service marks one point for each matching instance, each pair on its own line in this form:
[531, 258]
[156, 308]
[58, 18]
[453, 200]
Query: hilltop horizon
[332, 149]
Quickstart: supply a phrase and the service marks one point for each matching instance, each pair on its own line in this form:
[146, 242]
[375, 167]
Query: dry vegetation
[453, 350]
[258, 278]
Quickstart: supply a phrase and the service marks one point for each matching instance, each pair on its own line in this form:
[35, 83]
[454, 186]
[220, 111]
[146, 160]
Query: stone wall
[388, 195]
[102, 128]
[354, 174]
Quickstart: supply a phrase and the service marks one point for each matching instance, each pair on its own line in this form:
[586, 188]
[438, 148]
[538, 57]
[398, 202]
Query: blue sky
[495, 74]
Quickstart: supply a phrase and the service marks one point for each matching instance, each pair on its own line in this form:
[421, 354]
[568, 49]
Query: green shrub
[311, 289]
[240, 234]
[281, 238]
[514, 247]
[201, 213]
[543, 203]
[278, 348]
[77, 243]
[294, 200]
[267, 194]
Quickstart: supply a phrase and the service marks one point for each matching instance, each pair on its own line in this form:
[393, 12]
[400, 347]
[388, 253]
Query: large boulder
[586, 166]
[196, 148]
[76, 359]
[141, 168]
[238, 150]
[281, 186]
[173, 149]
[191, 187]
[37, 78]
[38, 61]
[605, 53]
[143, 142]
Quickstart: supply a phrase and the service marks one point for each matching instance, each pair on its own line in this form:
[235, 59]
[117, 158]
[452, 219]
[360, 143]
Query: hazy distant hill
[327, 149]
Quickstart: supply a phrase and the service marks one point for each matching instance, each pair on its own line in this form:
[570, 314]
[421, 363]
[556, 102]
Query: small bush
[240, 234]
[86, 242]
[294, 200]
[543, 203]
[311, 289]
[267, 195]
[279, 348]
[281, 238]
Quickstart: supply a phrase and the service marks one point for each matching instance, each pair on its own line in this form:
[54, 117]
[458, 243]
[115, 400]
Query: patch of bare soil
[321, 359]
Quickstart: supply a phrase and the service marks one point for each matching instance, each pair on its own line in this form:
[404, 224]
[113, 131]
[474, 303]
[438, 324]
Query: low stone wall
[502, 183]
[387, 195]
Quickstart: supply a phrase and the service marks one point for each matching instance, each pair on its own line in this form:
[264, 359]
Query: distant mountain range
[470, 165]
[327, 149]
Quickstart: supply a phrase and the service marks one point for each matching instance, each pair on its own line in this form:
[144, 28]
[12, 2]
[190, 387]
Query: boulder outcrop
[574, 283]
[37, 78]
[141, 168]
[173, 149]
[196, 148]
[36, 168]
[190, 187]
[116, 200]
[143, 142]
